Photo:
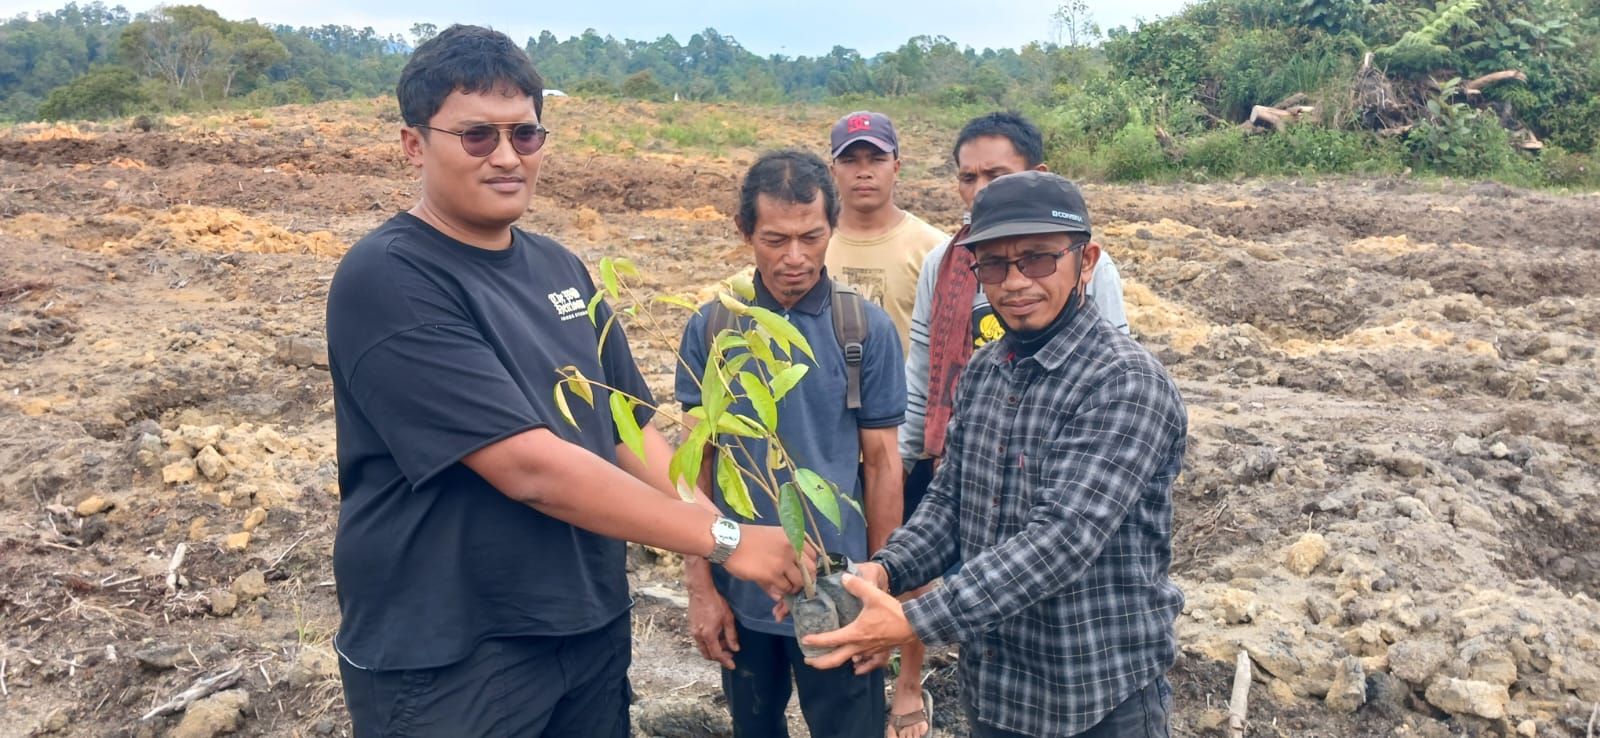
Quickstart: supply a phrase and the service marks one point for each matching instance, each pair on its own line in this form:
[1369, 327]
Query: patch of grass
[703, 132]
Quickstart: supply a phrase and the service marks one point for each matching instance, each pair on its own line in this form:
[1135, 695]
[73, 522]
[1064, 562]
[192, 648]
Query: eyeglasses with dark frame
[1033, 266]
[482, 139]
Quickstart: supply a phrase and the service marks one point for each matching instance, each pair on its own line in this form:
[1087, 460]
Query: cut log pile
[1388, 109]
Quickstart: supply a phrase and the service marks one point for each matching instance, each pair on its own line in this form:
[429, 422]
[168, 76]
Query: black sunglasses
[1032, 266]
[483, 138]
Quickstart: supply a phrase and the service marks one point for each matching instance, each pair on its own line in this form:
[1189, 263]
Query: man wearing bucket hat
[1054, 495]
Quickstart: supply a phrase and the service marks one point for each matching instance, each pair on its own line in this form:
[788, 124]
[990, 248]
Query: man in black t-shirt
[479, 555]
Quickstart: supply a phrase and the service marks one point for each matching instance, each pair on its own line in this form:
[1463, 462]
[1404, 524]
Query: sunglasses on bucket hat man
[1033, 266]
[482, 139]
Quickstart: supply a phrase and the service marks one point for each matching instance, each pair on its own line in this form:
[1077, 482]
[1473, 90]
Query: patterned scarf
[950, 338]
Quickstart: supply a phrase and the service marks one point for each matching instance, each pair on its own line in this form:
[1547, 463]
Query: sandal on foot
[899, 722]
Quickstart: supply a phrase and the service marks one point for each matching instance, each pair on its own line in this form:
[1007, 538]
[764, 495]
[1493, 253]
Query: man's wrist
[725, 534]
[888, 574]
[696, 573]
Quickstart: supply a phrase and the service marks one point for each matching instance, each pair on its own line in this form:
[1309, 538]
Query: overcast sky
[782, 27]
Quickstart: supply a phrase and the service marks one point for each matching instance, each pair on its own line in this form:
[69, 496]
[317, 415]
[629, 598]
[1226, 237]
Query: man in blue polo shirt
[788, 207]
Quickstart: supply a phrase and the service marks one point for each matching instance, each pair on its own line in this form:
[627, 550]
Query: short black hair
[788, 176]
[471, 59]
[1022, 133]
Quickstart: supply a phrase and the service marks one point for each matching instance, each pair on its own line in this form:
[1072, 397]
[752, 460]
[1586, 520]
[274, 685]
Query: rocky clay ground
[1390, 500]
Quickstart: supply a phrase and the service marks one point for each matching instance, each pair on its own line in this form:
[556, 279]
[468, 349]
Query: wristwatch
[725, 533]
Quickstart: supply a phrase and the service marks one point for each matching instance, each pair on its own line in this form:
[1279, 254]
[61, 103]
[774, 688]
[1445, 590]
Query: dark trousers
[525, 687]
[836, 703]
[1142, 715]
[916, 487]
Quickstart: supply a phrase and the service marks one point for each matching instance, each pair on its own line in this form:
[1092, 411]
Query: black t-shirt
[438, 349]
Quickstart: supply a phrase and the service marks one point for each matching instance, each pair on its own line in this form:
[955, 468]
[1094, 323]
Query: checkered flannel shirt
[1057, 480]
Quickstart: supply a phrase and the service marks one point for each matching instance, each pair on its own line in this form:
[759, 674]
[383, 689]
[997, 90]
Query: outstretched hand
[764, 556]
[879, 628]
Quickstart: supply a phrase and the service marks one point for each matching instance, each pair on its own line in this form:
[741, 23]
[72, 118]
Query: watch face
[725, 531]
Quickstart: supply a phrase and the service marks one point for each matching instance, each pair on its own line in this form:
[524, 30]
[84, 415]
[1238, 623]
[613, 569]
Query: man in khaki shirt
[877, 248]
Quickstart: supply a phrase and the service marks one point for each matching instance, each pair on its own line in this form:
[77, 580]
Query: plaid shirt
[1057, 481]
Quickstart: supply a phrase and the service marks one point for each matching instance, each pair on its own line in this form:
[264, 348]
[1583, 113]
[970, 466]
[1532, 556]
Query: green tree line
[89, 61]
[1160, 100]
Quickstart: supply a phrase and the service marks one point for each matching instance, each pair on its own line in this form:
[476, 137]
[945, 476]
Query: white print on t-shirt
[568, 303]
[872, 283]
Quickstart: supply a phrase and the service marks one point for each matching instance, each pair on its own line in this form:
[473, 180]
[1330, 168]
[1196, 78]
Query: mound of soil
[1390, 500]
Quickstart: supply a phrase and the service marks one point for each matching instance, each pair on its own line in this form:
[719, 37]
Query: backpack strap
[850, 329]
[718, 320]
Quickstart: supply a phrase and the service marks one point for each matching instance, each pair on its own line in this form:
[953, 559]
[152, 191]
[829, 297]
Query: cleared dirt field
[1391, 500]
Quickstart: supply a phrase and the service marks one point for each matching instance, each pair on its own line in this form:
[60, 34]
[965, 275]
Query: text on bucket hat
[1027, 203]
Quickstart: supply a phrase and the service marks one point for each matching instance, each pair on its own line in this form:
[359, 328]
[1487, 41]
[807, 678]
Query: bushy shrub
[1463, 142]
[1134, 154]
[592, 87]
[1218, 154]
[643, 86]
[1313, 149]
[1245, 67]
[1569, 168]
[1575, 127]
[1169, 53]
[287, 92]
[1304, 149]
[104, 91]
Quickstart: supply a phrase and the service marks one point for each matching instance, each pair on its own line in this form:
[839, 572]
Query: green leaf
[677, 301]
[713, 393]
[627, 425]
[685, 465]
[626, 267]
[608, 276]
[732, 303]
[787, 379]
[777, 457]
[759, 348]
[605, 332]
[578, 384]
[824, 495]
[781, 329]
[744, 286]
[738, 425]
[594, 307]
[731, 367]
[561, 402]
[854, 505]
[730, 483]
[792, 515]
[730, 340]
[760, 399]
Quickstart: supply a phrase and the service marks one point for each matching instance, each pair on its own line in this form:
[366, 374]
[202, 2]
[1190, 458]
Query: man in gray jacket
[950, 322]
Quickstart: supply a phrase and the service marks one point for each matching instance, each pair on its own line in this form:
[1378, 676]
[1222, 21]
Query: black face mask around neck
[1028, 343]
